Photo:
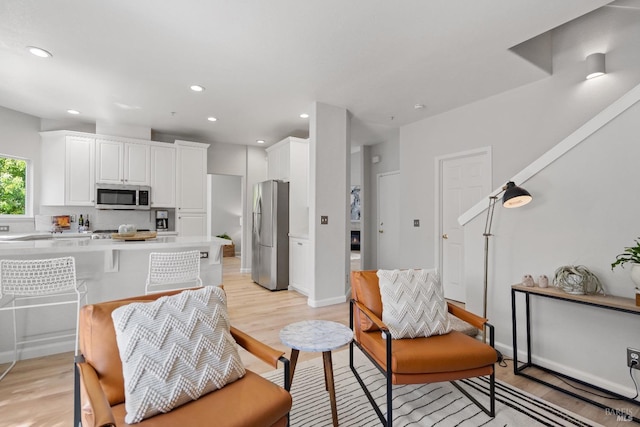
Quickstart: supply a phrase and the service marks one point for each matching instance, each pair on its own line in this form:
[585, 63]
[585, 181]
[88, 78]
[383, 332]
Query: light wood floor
[39, 392]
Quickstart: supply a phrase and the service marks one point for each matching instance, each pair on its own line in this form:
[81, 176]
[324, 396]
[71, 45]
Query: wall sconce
[595, 65]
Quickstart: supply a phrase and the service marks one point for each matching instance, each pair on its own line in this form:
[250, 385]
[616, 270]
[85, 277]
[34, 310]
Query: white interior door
[464, 180]
[389, 221]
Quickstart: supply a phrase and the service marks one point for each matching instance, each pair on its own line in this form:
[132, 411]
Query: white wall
[581, 214]
[228, 159]
[329, 172]
[19, 137]
[226, 207]
[560, 226]
[520, 124]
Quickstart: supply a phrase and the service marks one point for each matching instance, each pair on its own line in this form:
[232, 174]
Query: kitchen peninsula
[111, 269]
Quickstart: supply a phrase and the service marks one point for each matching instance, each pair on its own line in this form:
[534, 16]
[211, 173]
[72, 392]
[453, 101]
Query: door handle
[380, 231]
[445, 236]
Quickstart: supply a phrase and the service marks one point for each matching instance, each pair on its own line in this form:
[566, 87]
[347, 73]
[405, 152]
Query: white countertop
[57, 245]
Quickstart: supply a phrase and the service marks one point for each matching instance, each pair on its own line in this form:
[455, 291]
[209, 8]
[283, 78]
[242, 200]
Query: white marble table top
[315, 335]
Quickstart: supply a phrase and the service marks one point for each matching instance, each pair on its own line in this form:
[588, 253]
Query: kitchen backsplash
[101, 219]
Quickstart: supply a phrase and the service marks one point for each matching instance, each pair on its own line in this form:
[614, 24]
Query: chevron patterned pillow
[413, 303]
[174, 350]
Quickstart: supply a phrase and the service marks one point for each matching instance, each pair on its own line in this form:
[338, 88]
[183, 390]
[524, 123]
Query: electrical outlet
[4, 228]
[633, 355]
[324, 220]
[416, 223]
[204, 255]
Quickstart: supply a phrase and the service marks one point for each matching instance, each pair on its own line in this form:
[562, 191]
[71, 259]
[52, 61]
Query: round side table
[316, 336]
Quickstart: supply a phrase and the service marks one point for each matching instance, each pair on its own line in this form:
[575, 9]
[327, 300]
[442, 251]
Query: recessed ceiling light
[260, 141]
[196, 88]
[212, 119]
[74, 112]
[304, 116]
[39, 52]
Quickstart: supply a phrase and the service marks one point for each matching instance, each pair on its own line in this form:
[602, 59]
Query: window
[13, 186]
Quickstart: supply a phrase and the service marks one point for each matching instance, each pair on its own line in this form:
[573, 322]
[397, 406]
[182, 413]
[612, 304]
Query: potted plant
[227, 250]
[631, 255]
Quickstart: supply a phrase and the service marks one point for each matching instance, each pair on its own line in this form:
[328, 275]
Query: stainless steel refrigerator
[270, 235]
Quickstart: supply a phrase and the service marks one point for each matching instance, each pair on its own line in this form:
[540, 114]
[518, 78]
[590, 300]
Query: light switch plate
[416, 223]
[324, 219]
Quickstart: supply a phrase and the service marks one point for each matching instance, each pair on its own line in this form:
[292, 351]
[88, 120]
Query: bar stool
[29, 283]
[173, 268]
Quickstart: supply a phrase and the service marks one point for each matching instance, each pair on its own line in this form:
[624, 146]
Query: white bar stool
[28, 283]
[173, 268]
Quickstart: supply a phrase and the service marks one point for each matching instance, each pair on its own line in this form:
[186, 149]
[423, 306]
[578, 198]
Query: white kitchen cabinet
[279, 160]
[299, 186]
[68, 169]
[191, 224]
[163, 177]
[120, 162]
[288, 160]
[299, 265]
[191, 187]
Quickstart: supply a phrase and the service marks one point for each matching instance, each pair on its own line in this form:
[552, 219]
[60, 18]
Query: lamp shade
[595, 65]
[515, 196]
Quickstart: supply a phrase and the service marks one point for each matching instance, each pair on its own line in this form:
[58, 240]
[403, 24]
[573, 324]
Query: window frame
[28, 188]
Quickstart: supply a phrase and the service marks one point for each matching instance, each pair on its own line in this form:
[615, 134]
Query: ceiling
[263, 63]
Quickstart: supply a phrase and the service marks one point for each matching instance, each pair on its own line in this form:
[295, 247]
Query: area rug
[439, 404]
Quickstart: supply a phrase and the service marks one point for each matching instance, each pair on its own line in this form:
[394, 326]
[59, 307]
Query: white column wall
[330, 157]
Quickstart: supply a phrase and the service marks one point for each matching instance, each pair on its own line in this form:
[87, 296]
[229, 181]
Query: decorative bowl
[127, 230]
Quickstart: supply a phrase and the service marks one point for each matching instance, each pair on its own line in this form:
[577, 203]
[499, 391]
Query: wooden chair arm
[259, 349]
[375, 319]
[467, 316]
[95, 410]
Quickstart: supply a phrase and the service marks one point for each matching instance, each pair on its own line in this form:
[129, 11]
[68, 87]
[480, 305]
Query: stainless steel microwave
[123, 196]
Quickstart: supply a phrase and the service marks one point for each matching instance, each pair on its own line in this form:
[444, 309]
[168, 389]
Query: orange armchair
[439, 358]
[251, 400]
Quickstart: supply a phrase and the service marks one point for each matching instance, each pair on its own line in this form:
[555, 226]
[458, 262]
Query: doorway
[225, 210]
[388, 225]
[463, 179]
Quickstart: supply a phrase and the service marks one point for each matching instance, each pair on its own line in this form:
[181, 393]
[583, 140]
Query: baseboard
[507, 350]
[299, 290]
[327, 301]
[33, 351]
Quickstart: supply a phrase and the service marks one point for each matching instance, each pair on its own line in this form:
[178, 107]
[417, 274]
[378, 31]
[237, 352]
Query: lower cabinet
[189, 224]
[300, 265]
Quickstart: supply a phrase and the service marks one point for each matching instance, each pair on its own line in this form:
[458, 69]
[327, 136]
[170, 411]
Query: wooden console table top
[607, 301]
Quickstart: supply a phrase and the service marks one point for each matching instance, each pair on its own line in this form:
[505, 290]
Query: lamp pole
[487, 234]
[514, 197]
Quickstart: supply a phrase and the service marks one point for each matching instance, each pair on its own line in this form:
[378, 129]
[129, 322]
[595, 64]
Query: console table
[625, 305]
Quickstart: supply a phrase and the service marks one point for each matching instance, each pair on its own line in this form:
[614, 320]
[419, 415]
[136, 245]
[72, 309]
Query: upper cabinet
[73, 162]
[122, 162]
[163, 176]
[68, 169]
[191, 177]
[279, 160]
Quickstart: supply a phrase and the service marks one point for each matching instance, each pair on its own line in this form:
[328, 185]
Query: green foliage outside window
[13, 174]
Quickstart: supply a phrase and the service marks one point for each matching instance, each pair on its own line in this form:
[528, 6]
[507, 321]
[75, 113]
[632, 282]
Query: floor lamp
[514, 197]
